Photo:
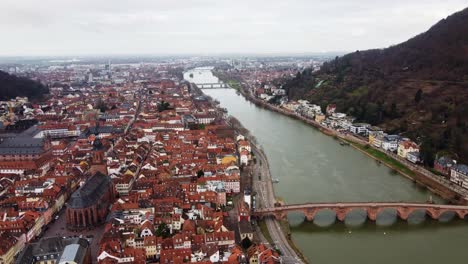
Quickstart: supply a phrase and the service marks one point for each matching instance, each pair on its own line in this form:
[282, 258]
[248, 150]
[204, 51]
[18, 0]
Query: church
[89, 205]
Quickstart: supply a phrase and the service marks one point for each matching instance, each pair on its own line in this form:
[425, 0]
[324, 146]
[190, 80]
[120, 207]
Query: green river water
[313, 167]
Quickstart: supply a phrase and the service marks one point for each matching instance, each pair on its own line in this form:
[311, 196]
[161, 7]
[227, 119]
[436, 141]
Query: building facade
[89, 205]
[459, 175]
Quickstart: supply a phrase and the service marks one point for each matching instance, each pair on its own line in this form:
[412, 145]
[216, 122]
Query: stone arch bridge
[404, 210]
[219, 85]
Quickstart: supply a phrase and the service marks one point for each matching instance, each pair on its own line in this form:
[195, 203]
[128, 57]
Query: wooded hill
[418, 88]
[12, 86]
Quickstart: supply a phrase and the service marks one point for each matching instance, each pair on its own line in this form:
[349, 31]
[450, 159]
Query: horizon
[180, 55]
[55, 28]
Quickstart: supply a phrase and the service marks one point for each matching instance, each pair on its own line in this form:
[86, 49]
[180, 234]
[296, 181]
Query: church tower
[98, 163]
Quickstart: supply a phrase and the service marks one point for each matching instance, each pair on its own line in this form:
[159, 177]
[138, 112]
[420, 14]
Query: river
[313, 167]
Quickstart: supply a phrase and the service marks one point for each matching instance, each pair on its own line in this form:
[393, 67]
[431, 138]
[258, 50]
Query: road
[442, 180]
[462, 192]
[266, 199]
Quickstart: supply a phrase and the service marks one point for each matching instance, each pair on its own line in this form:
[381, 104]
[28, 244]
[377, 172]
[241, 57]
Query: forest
[418, 88]
[12, 86]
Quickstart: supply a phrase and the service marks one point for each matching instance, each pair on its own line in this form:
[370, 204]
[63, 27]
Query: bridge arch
[448, 215]
[402, 211]
[387, 216]
[325, 217]
[416, 216]
[462, 214]
[356, 216]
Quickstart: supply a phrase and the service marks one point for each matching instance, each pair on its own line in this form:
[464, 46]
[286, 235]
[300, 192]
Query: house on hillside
[390, 142]
[373, 132]
[459, 175]
[331, 108]
[443, 165]
[319, 118]
[407, 146]
[413, 157]
[359, 128]
[376, 139]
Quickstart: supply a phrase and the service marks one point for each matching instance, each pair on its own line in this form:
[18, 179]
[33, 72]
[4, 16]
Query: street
[266, 198]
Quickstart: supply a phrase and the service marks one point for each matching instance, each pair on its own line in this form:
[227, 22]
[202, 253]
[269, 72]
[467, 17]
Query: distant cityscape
[233, 132]
[133, 163]
[128, 163]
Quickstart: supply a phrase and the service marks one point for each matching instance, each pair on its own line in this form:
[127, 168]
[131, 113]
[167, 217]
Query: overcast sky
[80, 27]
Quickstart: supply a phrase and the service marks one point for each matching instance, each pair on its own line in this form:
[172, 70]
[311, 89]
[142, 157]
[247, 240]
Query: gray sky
[80, 27]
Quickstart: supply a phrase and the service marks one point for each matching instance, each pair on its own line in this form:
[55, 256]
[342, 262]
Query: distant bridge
[212, 85]
[404, 210]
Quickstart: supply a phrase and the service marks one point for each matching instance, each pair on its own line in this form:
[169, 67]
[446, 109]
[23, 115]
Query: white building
[359, 128]
[459, 175]
[244, 157]
[390, 142]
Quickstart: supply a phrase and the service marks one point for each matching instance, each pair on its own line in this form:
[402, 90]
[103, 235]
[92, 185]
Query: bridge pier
[372, 213]
[310, 214]
[404, 212]
[341, 213]
[434, 213]
[280, 215]
[462, 213]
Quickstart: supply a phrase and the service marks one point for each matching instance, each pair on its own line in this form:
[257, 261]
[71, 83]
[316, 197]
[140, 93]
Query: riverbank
[436, 184]
[433, 186]
[313, 167]
[272, 231]
[283, 225]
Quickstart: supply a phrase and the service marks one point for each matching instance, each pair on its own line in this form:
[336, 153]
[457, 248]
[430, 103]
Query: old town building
[18, 154]
[89, 205]
[56, 250]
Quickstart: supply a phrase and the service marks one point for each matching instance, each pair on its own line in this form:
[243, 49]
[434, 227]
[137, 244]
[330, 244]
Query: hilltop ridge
[418, 88]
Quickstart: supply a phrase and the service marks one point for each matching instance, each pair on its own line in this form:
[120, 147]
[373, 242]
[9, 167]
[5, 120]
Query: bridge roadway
[212, 85]
[404, 210]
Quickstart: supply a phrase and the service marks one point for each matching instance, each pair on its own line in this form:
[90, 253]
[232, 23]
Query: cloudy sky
[89, 27]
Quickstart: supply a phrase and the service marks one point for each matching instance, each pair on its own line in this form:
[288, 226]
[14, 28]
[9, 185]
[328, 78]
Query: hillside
[12, 86]
[418, 88]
